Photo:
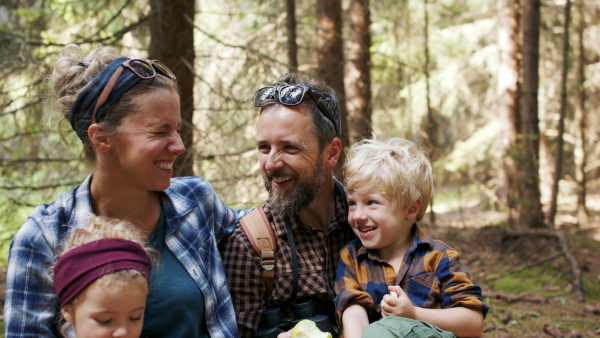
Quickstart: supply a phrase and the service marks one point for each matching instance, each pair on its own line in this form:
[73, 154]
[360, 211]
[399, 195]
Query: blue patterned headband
[83, 107]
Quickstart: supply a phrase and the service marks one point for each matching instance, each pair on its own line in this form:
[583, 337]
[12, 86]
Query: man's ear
[413, 209]
[99, 137]
[333, 151]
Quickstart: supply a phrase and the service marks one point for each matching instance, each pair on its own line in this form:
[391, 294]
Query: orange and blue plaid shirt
[431, 275]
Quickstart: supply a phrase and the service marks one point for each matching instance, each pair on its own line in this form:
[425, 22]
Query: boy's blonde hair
[396, 167]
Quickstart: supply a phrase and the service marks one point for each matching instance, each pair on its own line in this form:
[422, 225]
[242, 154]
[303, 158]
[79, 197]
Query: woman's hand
[400, 306]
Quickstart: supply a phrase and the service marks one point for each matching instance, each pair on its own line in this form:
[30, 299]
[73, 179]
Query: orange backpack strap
[262, 238]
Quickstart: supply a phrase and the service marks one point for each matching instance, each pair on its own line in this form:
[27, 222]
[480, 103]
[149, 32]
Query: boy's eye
[135, 319]
[371, 202]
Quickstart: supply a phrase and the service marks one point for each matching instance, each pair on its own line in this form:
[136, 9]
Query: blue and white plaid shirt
[196, 219]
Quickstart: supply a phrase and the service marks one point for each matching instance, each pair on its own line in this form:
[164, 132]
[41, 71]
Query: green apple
[306, 328]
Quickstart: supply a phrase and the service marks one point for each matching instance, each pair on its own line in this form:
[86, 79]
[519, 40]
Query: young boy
[389, 187]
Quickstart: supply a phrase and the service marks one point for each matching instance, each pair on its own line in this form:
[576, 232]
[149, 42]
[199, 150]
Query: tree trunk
[430, 125]
[529, 205]
[358, 71]
[172, 42]
[580, 123]
[508, 89]
[290, 23]
[561, 121]
[330, 54]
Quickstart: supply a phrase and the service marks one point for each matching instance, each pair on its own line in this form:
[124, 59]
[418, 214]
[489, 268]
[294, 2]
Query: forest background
[503, 93]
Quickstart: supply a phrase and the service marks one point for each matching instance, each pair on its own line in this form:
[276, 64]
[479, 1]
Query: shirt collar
[82, 205]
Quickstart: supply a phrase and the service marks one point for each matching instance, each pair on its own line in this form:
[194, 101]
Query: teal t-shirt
[175, 304]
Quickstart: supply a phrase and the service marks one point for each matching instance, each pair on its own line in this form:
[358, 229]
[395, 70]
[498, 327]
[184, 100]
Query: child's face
[109, 313]
[378, 224]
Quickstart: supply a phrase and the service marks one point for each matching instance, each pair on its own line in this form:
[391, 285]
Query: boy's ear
[99, 137]
[413, 209]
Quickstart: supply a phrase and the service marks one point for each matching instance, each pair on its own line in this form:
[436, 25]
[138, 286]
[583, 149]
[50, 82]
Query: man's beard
[288, 202]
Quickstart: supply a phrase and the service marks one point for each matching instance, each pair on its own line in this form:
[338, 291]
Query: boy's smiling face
[377, 223]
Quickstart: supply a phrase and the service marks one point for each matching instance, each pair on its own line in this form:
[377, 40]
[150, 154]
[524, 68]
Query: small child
[389, 185]
[102, 280]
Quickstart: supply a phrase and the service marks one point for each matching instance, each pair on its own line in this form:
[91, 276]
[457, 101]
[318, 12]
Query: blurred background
[503, 93]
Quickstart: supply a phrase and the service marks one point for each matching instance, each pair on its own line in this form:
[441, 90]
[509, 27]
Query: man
[298, 147]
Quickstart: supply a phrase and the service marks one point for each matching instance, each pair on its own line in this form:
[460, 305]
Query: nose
[176, 147]
[120, 332]
[273, 160]
[356, 215]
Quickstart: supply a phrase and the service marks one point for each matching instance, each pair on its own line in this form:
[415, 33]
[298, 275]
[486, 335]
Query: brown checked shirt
[318, 255]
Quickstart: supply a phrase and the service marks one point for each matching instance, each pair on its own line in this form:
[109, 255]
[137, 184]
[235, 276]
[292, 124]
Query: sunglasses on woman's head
[292, 95]
[144, 69]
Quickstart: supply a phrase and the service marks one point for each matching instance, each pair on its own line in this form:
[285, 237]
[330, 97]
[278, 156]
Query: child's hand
[287, 334]
[400, 306]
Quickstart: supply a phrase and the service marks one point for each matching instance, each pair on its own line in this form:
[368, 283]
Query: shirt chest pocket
[423, 290]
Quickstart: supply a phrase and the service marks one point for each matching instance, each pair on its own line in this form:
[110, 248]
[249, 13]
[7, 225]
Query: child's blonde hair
[101, 228]
[396, 167]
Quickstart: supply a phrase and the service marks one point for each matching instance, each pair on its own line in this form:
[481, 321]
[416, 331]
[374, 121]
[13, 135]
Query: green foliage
[241, 45]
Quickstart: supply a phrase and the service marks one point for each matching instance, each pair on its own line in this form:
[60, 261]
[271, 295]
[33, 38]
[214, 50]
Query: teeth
[166, 166]
[365, 229]
[281, 179]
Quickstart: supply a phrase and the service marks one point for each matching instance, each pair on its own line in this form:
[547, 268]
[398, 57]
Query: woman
[126, 113]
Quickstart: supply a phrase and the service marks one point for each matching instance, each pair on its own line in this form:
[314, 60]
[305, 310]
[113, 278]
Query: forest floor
[526, 281]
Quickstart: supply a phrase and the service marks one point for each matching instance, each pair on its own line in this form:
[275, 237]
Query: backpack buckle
[267, 260]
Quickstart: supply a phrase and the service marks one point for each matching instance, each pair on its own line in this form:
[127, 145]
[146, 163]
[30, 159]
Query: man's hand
[400, 306]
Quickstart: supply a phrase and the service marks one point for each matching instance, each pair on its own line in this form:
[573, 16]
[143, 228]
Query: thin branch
[112, 38]
[525, 267]
[513, 298]
[117, 14]
[17, 135]
[41, 187]
[36, 160]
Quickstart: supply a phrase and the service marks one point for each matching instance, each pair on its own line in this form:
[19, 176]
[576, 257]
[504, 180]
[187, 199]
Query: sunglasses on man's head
[292, 95]
[145, 69]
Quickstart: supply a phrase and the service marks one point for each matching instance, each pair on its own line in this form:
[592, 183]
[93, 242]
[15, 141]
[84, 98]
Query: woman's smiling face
[146, 144]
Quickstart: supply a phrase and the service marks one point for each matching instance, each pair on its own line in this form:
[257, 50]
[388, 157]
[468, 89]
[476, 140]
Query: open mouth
[281, 179]
[366, 229]
[164, 165]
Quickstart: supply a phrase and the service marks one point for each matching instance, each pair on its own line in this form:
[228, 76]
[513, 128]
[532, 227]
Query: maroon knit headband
[81, 266]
